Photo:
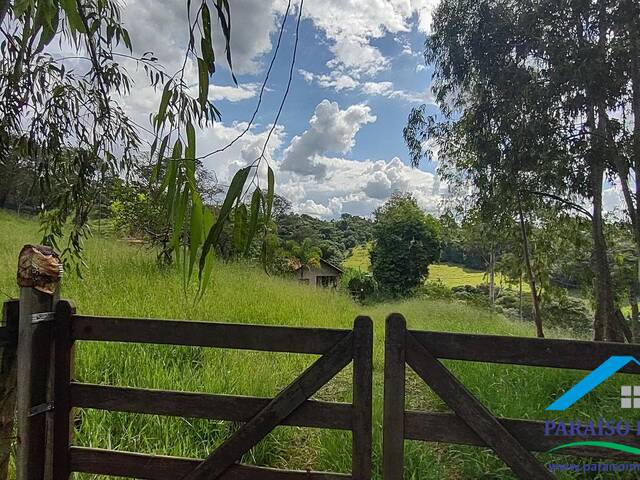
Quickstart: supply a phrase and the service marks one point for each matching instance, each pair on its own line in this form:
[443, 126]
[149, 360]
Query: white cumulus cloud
[232, 93]
[352, 26]
[330, 130]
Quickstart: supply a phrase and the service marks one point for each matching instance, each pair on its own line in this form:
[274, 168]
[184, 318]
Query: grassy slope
[359, 258]
[123, 280]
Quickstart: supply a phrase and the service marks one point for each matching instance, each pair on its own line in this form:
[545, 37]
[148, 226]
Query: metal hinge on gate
[40, 409]
[42, 317]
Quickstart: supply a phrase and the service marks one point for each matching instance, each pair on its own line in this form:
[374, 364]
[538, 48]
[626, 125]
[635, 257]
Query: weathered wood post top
[39, 267]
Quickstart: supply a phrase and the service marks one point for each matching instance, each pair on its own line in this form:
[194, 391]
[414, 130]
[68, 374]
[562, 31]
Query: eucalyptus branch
[562, 200]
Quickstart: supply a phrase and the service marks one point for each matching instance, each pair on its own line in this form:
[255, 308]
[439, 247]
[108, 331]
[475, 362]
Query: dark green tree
[406, 242]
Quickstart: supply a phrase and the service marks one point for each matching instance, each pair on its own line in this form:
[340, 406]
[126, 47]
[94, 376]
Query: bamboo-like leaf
[164, 103]
[152, 149]
[190, 152]
[190, 157]
[235, 190]
[206, 261]
[20, 7]
[203, 82]
[224, 16]
[240, 228]
[196, 234]
[270, 193]
[256, 200]
[206, 41]
[163, 148]
[70, 8]
[47, 16]
[171, 180]
[127, 40]
[179, 209]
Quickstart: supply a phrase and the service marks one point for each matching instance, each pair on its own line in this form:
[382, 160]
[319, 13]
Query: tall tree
[534, 80]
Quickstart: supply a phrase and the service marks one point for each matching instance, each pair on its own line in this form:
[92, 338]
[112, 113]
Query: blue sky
[382, 138]
[337, 147]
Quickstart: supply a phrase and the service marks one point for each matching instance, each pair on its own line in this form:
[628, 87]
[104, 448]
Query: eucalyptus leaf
[240, 229]
[270, 193]
[196, 235]
[70, 8]
[234, 192]
[256, 200]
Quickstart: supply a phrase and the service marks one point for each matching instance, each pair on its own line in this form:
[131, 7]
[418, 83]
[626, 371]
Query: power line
[286, 93]
[262, 88]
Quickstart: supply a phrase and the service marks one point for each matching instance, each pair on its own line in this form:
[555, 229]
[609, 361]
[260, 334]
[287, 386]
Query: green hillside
[359, 258]
[123, 280]
[450, 275]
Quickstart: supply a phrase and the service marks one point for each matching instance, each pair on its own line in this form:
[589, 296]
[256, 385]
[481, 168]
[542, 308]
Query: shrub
[436, 290]
[362, 286]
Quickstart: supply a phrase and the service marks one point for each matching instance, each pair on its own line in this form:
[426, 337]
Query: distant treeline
[335, 238]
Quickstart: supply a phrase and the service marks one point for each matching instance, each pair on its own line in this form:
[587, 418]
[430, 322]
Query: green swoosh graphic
[610, 445]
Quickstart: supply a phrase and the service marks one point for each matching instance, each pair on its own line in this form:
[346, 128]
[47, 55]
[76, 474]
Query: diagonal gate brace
[283, 405]
[523, 463]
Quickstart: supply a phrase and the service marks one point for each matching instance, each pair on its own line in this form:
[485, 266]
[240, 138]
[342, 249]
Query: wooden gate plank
[530, 352]
[283, 404]
[232, 408]
[62, 420]
[362, 393]
[394, 393]
[268, 338]
[35, 360]
[468, 408]
[159, 467]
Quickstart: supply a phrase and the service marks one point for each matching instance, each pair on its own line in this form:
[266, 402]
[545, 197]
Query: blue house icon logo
[591, 381]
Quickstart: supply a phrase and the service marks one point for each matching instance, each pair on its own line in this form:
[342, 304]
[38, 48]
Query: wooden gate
[291, 406]
[471, 423]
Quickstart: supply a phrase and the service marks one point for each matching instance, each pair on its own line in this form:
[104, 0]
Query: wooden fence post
[362, 398]
[62, 389]
[394, 393]
[8, 371]
[39, 270]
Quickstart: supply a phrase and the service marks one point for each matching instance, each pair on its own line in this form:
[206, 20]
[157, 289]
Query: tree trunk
[520, 297]
[634, 37]
[634, 288]
[492, 277]
[537, 317]
[605, 325]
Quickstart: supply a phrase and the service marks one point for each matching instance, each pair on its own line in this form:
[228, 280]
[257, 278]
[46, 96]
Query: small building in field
[325, 275]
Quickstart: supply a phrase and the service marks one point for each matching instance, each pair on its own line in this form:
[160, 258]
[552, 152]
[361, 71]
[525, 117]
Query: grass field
[450, 275]
[123, 280]
[359, 258]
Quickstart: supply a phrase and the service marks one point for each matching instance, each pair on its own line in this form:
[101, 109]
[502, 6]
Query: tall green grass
[124, 280]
